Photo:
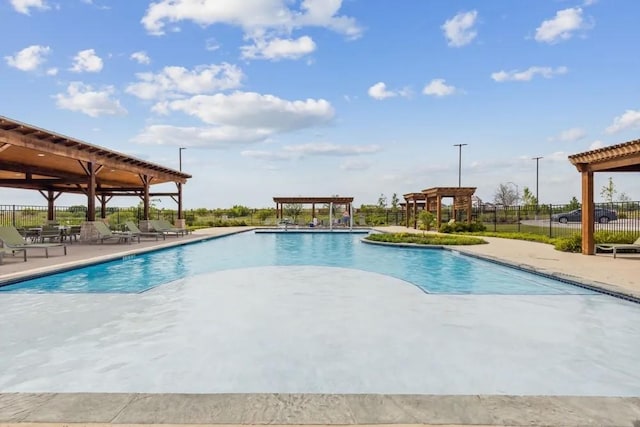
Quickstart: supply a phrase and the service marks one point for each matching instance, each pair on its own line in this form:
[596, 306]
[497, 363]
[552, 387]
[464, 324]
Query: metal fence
[621, 217]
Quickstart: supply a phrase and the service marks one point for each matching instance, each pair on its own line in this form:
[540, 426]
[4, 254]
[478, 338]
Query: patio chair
[165, 227]
[615, 246]
[7, 251]
[50, 233]
[134, 230]
[104, 233]
[12, 239]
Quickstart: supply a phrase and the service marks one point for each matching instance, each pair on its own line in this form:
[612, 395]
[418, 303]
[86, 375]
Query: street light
[180, 156]
[517, 191]
[537, 159]
[459, 162]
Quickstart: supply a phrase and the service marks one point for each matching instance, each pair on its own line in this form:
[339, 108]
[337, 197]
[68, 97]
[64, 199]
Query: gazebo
[37, 159]
[337, 200]
[462, 200]
[623, 157]
[412, 202]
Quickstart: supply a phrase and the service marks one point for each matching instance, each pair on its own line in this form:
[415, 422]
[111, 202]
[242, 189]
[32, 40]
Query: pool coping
[600, 287]
[22, 409]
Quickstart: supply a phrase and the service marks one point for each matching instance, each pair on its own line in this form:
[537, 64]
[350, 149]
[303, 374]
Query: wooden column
[469, 207]
[179, 200]
[103, 206]
[439, 210]
[145, 199]
[313, 210]
[91, 192]
[588, 213]
[415, 213]
[406, 210]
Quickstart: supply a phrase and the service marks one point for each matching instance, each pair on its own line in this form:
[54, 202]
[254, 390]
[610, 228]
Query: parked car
[601, 215]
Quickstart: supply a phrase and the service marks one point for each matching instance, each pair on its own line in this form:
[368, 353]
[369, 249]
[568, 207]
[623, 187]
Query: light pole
[180, 157]
[537, 159]
[459, 162]
[517, 191]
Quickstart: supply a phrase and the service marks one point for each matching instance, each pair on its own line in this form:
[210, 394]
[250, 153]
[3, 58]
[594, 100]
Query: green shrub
[426, 239]
[569, 244]
[462, 227]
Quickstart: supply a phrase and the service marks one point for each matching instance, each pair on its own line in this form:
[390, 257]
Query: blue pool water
[434, 271]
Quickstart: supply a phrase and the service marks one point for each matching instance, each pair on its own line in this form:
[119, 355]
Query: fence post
[550, 223]
[13, 215]
[495, 218]
[518, 217]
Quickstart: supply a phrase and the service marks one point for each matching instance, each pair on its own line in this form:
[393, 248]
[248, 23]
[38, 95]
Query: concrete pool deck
[319, 409]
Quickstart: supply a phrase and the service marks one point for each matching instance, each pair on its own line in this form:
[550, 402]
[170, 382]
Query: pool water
[431, 270]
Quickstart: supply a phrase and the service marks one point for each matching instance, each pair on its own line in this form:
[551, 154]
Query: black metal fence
[550, 220]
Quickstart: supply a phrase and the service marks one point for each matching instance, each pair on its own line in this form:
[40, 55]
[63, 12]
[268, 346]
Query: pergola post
[91, 192]
[180, 201]
[469, 208]
[588, 213]
[439, 210]
[415, 213]
[103, 206]
[145, 199]
[313, 210]
[406, 210]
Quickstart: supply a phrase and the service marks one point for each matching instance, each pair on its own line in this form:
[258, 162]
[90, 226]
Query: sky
[330, 97]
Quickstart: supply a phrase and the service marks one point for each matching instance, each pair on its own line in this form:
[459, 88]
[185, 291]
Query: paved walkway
[620, 275]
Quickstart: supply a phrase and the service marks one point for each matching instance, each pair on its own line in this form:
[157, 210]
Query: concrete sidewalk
[621, 275]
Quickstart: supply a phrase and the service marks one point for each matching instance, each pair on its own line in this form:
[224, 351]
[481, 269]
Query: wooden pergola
[412, 202]
[462, 200]
[53, 164]
[615, 158]
[337, 200]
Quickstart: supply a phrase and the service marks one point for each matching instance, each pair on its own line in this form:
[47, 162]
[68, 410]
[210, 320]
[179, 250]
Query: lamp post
[517, 191]
[180, 157]
[537, 159]
[459, 162]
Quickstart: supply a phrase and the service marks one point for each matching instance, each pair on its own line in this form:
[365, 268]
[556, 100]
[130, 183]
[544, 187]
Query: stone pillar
[181, 223]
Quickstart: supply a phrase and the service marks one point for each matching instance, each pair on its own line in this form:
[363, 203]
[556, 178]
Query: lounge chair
[7, 251]
[12, 239]
[104, 233]
[165, 227]
[135, 231]
[615, 246]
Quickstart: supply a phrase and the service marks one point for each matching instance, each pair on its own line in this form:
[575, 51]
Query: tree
[608, 191]
[528, 199]
[573, 204]
[394, 202]
[382, 201]
[623, 197]
[505, 195]
[293, 210]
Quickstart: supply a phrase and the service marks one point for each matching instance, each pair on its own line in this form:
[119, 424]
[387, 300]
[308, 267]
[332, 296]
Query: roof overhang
[306, 200]
[623, 157]
[34, 158]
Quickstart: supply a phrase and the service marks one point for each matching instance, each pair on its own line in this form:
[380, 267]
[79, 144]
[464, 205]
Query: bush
[569, 244]
[462, 227]
[427, 239]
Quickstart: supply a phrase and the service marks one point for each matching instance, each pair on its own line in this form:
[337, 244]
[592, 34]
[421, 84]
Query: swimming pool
[294, 313]
[431, 270]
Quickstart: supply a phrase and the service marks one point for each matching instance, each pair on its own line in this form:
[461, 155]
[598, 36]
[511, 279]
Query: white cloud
[379, 91]
[176, 81]
[240, 117]
[23, 6]
[438, 87]
[327, 149]
[629, 120]
[595, 145]
[251, 15]
[95, 103]
[528, 74]
[205, 137]
[29, 58]
[561, 27]
[459, 30]
[275, 49]
[570, 135]
[254, 110]
[52, 72]
[212, 44]
[86, 60]
[141, 57]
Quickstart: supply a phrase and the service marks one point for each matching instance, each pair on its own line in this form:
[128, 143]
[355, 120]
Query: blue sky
[322, 97]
